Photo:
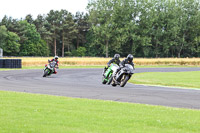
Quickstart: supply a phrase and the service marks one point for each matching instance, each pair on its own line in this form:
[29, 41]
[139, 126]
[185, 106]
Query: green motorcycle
[108, 73]
[49, 69]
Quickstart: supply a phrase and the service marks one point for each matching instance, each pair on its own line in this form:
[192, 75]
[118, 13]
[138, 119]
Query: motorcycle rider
[115, 60]
[57, 62]
[128, 60]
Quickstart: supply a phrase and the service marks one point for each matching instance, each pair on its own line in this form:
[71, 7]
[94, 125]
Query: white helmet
[56, 57]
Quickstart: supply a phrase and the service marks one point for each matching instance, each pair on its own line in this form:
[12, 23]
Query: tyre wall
[10, 63]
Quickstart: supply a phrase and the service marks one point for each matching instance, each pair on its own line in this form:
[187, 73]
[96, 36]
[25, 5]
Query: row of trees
[57, 33]
[145, 28]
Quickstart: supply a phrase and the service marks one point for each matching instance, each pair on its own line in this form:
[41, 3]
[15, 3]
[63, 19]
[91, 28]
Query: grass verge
[179, 79]
[22, 112]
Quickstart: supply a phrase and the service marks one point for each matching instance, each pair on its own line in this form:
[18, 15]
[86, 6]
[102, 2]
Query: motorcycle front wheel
[103, 80]
[124, 80]
[45, 73]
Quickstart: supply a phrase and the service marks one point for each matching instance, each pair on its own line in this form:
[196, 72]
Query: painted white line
[188, 88]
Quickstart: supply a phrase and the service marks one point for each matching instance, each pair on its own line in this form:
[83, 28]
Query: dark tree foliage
[146, 28]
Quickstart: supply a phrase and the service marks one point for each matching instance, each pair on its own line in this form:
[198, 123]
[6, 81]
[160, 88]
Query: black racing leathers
[114, 61]
[122, 64]
[125, 61]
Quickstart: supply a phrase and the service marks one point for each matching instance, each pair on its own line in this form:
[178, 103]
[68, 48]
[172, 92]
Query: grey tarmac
[86, 83]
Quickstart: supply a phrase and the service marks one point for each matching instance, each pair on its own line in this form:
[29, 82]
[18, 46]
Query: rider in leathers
[128, 60]
[115, 60]
[57, 62]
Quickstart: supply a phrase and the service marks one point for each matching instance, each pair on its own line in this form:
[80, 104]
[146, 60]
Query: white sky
[18, 9]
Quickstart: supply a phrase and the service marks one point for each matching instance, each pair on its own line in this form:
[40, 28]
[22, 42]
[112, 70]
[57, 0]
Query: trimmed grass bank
[179, 79]
[21, 112]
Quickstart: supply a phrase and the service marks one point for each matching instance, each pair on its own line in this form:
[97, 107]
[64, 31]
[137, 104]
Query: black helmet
[56, 57]
[130, 57]
[116, 56]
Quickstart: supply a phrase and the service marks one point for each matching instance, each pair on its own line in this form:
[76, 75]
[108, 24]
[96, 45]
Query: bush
[68, 54]
[79, 52]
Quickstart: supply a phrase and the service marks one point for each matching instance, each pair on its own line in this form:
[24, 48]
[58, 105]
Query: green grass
[22, 112]
[163, 66]
[179, 79]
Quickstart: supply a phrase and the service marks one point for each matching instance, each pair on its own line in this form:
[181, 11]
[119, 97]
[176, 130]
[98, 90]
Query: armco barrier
[10, 63]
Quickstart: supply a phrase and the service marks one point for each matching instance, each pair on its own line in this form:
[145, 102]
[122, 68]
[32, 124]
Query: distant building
[1, 53]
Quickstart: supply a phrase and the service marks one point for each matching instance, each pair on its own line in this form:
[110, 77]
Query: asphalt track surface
[86, 83]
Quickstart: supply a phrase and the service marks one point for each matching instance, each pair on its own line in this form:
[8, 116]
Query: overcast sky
[20, 8]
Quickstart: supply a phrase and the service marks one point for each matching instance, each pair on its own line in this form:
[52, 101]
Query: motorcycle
[108, 74]
[123, 76]
[49, 69]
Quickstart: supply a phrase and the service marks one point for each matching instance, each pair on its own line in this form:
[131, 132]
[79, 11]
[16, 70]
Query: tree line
[57, 33]
[144, 28]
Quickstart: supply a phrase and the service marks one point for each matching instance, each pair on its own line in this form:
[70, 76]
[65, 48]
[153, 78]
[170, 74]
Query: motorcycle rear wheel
[113, 83]
[110, 80]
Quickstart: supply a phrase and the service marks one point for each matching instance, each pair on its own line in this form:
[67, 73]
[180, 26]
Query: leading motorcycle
[123, 75]
[49, 69]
